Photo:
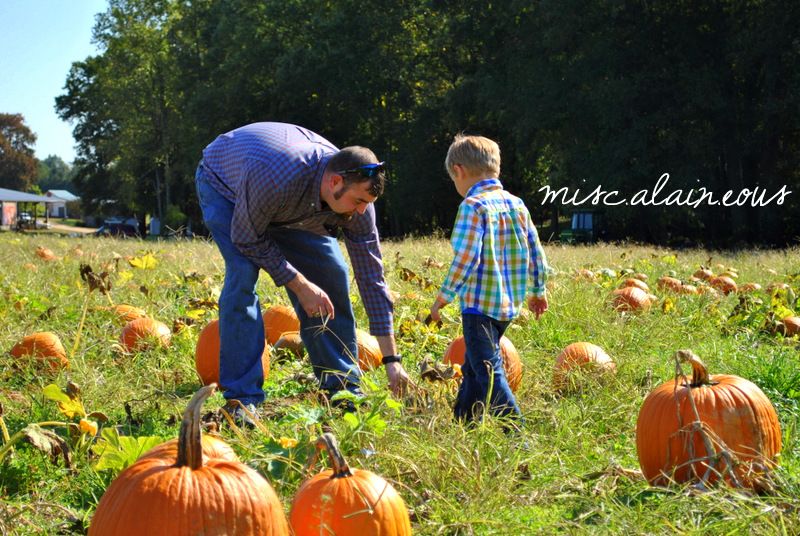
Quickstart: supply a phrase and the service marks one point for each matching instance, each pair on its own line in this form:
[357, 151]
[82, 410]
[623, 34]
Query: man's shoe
[243, 415]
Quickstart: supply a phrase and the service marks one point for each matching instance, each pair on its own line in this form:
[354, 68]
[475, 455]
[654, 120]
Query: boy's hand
[537, 305]
[437, 304]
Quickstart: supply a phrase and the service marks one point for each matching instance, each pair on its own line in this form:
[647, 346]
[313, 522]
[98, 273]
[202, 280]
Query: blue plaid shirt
[272, 173]
[498, 259]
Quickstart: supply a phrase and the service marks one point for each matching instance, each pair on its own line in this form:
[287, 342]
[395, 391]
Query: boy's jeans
[241, 327]
[482, 339]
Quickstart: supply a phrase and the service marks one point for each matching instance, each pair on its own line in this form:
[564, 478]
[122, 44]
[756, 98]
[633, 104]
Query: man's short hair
[477, 154]
[351, 158]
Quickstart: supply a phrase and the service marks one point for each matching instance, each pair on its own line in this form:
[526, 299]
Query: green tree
[54, 174]
[17, 164]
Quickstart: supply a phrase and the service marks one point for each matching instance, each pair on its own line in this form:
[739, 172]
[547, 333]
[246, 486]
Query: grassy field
[574, 468]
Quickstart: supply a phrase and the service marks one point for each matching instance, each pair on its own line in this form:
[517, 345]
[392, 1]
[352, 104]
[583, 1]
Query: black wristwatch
[391, 359]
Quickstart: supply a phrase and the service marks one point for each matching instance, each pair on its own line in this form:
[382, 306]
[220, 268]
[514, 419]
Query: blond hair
[479, 155]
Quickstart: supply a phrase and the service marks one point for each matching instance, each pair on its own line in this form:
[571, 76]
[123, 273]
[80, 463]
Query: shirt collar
[484, 185]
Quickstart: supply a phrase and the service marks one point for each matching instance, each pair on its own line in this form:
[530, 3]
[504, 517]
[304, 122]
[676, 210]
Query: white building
[58, 207]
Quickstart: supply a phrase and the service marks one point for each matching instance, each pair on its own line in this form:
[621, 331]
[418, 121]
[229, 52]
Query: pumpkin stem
[700, 374]
[190, 447]
[327, 441]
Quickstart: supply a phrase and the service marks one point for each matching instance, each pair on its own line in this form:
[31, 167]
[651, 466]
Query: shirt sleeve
[467, 240]
[363, 246]
[538, 262]
[258, 197]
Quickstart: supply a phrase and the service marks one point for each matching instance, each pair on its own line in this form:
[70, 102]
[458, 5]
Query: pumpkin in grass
[724, 284]
[45, 347]
[184, 492]
[669, 283]
[731, 414]
[632, 299]
[369, 352]
[291, 340]
[791, 326]
[703, 273]
[580, 356]
[206, 354]
[278, 319]
[750, 287]
[347, 501]
[140, 333]
[633, 282]
[455, 353]
[126, 313]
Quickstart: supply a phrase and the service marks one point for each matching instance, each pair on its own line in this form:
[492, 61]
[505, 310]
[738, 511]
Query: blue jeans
[333, 352]
[482, 339]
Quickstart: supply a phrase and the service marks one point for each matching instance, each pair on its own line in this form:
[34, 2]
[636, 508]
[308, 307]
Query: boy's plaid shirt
[498, 259]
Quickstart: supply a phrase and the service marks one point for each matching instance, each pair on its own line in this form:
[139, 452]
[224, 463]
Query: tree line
[580, 94]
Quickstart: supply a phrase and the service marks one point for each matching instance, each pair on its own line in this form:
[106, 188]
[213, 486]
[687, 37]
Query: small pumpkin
[206, 354]
[188, 493]
[749, 287]
[125, 313]
[140, 333]
[634, 282]
[278, 319]
[580, 355]
[689, 289]
[631, 299]
[512, 365]
[291, 340]
[45, 254]
[724, 284]
[347, 501]
[45, 347]
[680, 420]
[669, 283]
[791, 326]
[369, 352]
[704, 273]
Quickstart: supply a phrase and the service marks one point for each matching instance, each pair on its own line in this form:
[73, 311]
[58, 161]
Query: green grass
[574, 474]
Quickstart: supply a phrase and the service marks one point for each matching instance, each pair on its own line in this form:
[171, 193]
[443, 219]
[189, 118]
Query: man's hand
[537, 305]
[314, 301]
[398, 378]
[437, 304]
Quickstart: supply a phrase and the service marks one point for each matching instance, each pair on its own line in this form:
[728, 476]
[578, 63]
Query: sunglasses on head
[367, 170]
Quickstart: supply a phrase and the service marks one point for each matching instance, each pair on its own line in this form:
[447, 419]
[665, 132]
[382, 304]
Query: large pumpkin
[678, 442]
[724, 284]
[279, 319]
[457, 349]
[347, 501]
[140, 333]
[206, 354]
[185, 494]
[45, 347]
[669, 283]
[580, 355]
[369, 352]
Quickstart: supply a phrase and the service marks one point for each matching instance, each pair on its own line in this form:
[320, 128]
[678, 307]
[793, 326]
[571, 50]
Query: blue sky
[39, 40]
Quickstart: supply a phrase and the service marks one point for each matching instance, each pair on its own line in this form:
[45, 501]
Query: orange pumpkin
[633, 282]
[580, 355]
[724, 284]
[138, 334]
[183, 494]
[669, 283]
[672, 440]
[126, 313]
[689, 289]
[704, 273]
[369, 352]
[791, 326]
[347, 501]
[206, 354]
[291, 341]
[631, 299]
[45, 346]
[750, 287]
[45, 254]
[456, 351]
[279, 319]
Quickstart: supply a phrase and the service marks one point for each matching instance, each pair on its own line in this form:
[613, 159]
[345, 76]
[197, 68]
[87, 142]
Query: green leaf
[117, 452]
[68, 406]
[351, 420]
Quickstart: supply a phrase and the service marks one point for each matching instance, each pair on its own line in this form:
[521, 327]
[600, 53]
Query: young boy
[498, 262]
